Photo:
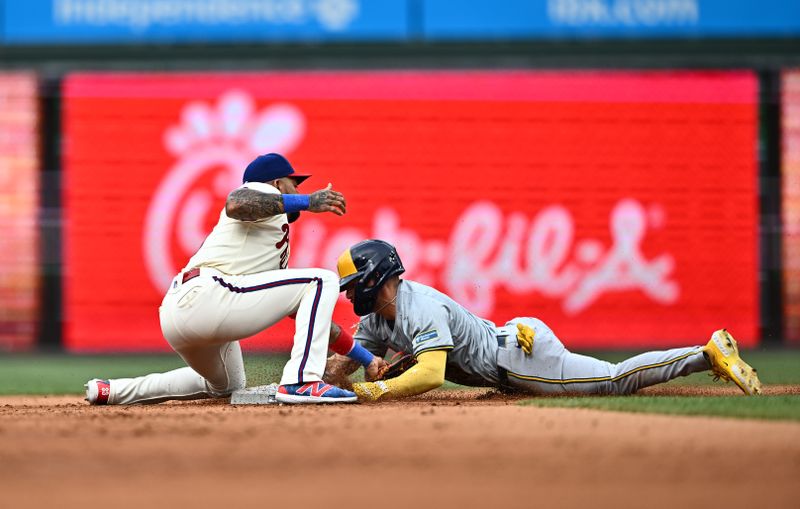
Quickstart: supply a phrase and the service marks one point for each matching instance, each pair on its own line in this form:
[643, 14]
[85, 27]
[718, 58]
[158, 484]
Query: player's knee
[239, 384]
[218, 393]
[224, 393]
[330, 281]
[328, 277]
[227, 388]
[237, 381]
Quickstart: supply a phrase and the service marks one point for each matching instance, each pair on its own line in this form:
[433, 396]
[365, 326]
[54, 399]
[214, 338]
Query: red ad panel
[19, 208]
[618, 207]
[790, 209]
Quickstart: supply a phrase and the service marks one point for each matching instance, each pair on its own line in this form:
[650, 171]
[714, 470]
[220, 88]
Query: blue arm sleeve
[294, 202]
[360, 354]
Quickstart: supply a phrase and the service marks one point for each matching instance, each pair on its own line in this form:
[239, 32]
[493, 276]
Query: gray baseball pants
[552, 369]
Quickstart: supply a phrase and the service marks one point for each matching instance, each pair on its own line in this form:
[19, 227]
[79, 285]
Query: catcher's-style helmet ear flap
[370, 263]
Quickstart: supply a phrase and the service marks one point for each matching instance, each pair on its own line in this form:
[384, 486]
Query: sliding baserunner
[451, 343]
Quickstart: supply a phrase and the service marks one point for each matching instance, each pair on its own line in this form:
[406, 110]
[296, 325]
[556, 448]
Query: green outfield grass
[743, 407]
[774, 366]
[779, 367]
[66, 374]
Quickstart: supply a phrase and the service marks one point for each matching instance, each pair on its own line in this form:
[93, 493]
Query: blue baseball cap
[270, 167]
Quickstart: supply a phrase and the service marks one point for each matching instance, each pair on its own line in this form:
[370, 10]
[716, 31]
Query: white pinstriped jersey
[246, 247]
[429, 320]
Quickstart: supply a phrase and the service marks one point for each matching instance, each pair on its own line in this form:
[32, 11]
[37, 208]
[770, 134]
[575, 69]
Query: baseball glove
[399, 363]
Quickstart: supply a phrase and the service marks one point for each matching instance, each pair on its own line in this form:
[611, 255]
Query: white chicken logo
[213, 145]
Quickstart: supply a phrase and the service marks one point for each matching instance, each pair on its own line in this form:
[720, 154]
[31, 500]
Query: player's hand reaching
[376, 369]
[327, 200]
[337, 369]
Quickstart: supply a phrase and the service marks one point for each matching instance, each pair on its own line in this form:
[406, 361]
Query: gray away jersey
[429, 320]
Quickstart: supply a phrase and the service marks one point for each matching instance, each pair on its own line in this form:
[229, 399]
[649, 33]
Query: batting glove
[525, 336]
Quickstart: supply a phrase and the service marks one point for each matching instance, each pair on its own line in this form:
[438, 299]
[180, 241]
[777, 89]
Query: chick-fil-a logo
[487, 250]
[212, 144]
[553, 261]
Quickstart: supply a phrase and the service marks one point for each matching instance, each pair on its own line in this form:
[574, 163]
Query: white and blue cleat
[314, 392]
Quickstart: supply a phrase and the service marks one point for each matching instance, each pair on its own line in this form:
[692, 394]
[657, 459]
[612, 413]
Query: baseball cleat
[314, 392]
[97, 391]
[723, 355]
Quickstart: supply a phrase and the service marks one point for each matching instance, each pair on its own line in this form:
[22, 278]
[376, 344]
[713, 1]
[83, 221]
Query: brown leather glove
[398, 364]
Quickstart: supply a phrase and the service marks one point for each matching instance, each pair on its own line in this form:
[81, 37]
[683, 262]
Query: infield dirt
[445, 450]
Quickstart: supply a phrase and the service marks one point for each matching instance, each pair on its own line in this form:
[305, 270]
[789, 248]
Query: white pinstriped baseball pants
[204, 318]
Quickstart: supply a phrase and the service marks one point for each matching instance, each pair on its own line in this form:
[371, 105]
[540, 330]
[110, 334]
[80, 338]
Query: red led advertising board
[790, 208]
[19, 209]
[620, 208]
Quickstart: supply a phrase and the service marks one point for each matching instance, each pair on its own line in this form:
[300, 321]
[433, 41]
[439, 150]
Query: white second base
[258, 395]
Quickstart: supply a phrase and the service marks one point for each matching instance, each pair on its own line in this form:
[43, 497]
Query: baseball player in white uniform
[238, 284]
[451, 343]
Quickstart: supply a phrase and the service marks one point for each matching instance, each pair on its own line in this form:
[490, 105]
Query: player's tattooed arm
[339, 364]
[250, 205]
[338, 369]
[333, 335]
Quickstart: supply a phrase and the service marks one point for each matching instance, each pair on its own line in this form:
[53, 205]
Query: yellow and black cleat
[723, 354]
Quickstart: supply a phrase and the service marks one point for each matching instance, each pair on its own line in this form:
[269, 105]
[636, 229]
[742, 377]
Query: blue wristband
[360, 354]
[294, 202]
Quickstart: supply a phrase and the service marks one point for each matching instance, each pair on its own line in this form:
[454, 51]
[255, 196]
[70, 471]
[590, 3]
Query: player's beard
[292, 216]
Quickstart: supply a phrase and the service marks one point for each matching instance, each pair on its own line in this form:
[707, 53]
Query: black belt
[190, 274]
